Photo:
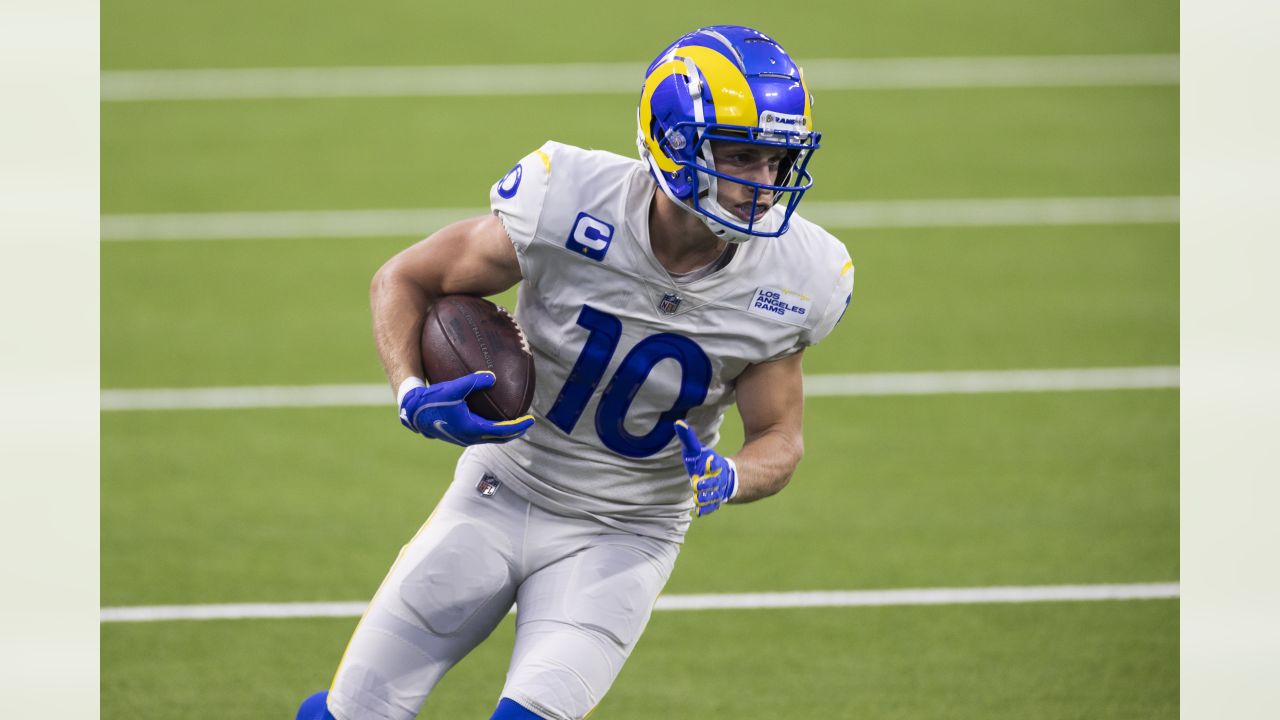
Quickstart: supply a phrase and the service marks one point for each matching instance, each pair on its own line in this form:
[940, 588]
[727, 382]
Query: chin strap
[717, 228]
[708, 210]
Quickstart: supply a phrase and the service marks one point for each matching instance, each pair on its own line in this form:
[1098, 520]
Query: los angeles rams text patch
[781, 303]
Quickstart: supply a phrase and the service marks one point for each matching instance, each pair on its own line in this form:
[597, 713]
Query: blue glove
[713, 476]
[440, 412]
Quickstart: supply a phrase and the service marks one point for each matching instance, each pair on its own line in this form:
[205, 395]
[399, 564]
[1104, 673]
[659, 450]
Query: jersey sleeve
[835, 304]
[518, 197]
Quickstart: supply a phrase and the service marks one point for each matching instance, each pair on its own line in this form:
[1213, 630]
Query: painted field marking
[853, 384]
[992, 381]
[624, 78]
[728, 601]
[835, 214]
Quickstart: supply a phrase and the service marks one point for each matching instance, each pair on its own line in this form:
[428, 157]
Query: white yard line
[993, 212]
[854, 384]
[285, 224]
[624, 78]
[728, 601]
[992, 381]
[257, 396]
[834, 214]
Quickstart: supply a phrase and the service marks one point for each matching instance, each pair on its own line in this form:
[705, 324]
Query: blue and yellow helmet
[732, 84]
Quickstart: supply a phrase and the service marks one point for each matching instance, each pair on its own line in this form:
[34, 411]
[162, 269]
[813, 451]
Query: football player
[654, 294]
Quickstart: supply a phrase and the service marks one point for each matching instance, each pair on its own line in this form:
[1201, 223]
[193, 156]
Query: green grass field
[930, 491]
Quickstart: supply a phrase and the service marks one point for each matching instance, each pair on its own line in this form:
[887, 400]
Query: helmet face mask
[789, 183]
[727, 85]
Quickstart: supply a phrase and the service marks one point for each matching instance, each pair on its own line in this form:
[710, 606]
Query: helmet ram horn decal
[727, 83]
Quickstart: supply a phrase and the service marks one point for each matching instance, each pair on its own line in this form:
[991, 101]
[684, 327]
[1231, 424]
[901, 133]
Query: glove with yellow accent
[713, 476]
[440, 411]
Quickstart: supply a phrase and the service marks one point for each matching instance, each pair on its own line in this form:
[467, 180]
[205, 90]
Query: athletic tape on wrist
[733, 466]
[408, 384]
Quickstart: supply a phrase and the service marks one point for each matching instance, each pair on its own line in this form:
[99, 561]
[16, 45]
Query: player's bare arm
[771, 403]
[673, 273]
[469, 257]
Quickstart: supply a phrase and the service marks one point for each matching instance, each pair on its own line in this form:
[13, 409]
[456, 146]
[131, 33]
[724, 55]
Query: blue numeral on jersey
[695, 370]
[605, 331]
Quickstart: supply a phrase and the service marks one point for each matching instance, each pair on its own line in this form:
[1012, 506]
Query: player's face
[748, 162]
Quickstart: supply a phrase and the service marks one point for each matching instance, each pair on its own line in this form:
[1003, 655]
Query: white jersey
[622, 350]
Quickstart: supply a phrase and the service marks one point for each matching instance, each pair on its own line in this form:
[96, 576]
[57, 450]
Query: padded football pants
[584, 593]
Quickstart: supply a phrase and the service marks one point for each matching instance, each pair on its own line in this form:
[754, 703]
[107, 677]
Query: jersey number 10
[605, 332]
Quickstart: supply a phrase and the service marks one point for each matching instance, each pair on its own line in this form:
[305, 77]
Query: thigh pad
[463, 569]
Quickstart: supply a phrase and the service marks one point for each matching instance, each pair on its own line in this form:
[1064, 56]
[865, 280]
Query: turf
[388, 153]
[244, 33]
[277, 505]
[296, 312]
[932, 491]
[1047, 660]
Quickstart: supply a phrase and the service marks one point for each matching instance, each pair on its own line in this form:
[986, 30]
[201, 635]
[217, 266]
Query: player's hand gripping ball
[481, 374]
[440, 412]
[714, 477]
[465, 334]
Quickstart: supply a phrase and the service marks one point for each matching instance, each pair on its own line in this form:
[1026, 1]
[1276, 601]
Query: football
[464, 334]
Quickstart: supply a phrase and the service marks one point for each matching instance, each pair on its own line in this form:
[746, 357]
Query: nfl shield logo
[670, 303]
[488, 485]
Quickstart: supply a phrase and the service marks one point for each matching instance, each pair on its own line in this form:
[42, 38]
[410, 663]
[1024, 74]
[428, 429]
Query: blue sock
[509, 709]
[314, 708]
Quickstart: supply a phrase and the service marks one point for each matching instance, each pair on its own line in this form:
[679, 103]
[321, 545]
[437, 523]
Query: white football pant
[584, 593]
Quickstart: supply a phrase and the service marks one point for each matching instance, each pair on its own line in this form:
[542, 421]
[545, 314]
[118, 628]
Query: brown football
[464, 334]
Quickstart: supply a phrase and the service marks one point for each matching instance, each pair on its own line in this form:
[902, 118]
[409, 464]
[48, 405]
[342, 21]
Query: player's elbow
[379, 280]
[786, 455]
[382, 281]
[390, 278]
[388, 268]
[791, 449]
[794, 454]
